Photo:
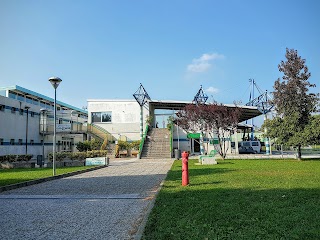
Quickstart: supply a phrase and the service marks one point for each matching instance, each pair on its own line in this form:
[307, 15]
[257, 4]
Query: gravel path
[108, 203]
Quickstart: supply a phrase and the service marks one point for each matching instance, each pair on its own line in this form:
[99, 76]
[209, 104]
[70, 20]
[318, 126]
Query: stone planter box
[67, 163]
[21, 164]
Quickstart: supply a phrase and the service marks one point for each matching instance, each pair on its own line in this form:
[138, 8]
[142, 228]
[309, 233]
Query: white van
[256, 145]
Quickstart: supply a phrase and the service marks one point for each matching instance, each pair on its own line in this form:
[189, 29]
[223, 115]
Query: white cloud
[212, 90]
[203, 63]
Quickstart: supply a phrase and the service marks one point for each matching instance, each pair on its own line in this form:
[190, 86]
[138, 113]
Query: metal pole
[252, 129]
[27, 131]
[267, 144]
[141, 122]
[54, 134]
[42, 137]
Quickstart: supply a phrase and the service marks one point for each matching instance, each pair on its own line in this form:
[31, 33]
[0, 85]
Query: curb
[41, 180]
[150, 206]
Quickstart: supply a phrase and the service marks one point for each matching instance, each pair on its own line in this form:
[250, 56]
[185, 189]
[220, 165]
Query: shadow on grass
[235, 214]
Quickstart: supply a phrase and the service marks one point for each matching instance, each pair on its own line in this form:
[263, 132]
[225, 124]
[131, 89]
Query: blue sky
[104, 49]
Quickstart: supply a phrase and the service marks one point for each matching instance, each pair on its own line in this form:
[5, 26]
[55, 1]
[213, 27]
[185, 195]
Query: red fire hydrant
[185, 170]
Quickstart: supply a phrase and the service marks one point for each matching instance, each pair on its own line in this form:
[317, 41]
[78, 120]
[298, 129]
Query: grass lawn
[11, 176]
[239, 199]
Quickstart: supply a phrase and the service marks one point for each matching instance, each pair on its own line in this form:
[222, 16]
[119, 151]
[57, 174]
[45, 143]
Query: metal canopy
[263, 103]
[248, 112]
[141, 95]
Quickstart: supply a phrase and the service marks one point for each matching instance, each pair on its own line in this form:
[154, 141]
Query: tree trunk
[299, 152]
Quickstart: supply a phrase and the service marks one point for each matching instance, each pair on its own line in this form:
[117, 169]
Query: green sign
[193, 135]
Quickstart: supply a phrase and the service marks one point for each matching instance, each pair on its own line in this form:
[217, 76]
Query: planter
[24, 164]
[76, 163]
[123, 153]
[58, 164]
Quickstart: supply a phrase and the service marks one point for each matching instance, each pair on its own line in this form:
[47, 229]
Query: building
[26, 123]
[122, 119]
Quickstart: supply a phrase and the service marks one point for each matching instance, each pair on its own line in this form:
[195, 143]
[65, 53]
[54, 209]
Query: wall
[13, 126]
[125, 117]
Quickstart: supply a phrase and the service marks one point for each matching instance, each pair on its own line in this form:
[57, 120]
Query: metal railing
[143, 140]
[100, 133]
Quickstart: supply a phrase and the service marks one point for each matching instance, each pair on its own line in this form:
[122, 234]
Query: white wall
[13, 126]
[125, 117]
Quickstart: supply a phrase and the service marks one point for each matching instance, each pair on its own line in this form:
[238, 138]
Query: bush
[123, 145]
[60, 156]
[89, 145]
[135, 145]
[15, 158]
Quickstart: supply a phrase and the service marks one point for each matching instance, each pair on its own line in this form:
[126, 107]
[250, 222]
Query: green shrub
[135, 145]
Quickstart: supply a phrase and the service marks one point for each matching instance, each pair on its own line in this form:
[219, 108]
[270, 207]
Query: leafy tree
[293, 103]
[215, 119]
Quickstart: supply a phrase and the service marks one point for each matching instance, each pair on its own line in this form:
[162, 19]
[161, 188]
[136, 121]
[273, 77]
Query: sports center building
[26, 123]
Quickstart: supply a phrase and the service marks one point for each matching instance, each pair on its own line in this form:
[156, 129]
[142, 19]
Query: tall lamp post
[27, 108]
[55, 81]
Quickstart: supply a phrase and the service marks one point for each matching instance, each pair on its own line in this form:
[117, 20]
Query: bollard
[185, 171]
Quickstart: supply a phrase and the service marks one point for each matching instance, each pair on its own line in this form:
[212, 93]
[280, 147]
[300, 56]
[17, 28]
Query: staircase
[157, 144]
[100, 133]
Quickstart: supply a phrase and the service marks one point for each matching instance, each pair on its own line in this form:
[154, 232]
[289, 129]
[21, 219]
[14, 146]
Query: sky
[105, 49]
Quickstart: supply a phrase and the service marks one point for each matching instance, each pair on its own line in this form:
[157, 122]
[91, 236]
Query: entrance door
[195, 145]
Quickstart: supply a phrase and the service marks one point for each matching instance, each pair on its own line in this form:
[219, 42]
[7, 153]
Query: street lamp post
[27, 108]
[55, 81]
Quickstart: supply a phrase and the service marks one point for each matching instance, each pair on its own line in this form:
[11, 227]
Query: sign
[66, 127]
[96, 161]
[193, 135]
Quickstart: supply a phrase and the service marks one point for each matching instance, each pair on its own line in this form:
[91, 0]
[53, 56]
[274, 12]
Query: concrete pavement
[109, 203]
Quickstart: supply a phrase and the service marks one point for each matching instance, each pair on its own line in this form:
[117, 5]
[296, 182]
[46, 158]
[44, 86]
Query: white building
[26, 123]
[121, 118]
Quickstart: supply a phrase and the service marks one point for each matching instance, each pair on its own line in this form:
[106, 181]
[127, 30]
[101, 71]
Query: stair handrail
[105, 134]
[143, 140]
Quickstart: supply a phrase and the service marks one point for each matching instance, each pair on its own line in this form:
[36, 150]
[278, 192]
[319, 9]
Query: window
[32, 114]
[11, 141]
[21, 111]
[2, 107]
[31, 142]
[101, 117]
[42, 104]
[41, 142]
[20, 97]
[20, 141]
[13, 110]
[255, 143]
[1, 141]
[29, 100]
[12, 95]
[60, 121]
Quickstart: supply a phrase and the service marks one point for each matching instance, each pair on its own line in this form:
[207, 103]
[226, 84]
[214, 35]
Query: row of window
[31, 142]
[20, 142]
[30, 100]
[14, 110]
[105, 117]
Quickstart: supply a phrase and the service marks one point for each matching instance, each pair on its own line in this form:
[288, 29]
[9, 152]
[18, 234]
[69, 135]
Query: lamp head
[55, 81]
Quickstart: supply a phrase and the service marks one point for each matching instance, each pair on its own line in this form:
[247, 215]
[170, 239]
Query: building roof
[26, 92]
[248, 112]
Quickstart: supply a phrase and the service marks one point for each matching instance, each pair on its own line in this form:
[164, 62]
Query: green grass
[11, 176]
[239, 199]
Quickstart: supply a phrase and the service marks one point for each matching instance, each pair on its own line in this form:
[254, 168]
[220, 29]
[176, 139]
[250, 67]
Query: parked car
[246, 150]
[255, 145]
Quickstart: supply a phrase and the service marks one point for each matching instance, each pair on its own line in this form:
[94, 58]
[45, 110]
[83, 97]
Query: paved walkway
[108, 203]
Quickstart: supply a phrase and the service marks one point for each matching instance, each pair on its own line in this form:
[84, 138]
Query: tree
[215, 119]
[293, 102]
